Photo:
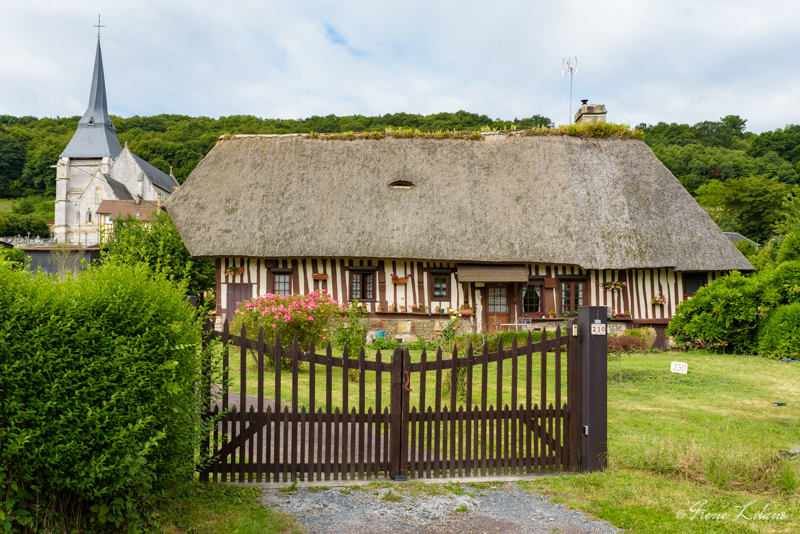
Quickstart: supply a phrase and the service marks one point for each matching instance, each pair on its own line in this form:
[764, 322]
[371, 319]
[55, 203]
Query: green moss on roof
[594, 129]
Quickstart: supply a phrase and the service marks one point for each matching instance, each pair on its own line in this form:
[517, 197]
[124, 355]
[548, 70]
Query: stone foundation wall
[411, 329]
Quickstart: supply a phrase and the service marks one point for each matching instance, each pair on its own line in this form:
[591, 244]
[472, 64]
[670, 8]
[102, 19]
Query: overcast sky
[647, 61]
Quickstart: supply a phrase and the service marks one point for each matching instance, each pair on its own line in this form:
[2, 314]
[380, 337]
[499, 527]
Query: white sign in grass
[679, 367]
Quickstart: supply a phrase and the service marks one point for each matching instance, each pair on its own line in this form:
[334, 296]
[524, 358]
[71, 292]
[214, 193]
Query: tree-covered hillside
[30, 146]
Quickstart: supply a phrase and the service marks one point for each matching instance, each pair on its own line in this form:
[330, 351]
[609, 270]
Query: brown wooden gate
[394, 420]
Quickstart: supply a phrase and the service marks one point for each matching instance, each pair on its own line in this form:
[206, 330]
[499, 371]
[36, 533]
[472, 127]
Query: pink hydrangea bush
[311, 317]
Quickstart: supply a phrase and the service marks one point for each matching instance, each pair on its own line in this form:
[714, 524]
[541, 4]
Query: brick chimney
[590, 113]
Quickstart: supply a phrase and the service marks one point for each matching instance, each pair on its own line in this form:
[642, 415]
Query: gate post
[593, 387]
[396, 414]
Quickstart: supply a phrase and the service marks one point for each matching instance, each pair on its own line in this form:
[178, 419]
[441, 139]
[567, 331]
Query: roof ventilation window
[401, 184]
[91, 120]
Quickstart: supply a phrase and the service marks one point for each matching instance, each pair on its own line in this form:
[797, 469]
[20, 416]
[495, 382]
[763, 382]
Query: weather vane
[98, 26]
[572, 66]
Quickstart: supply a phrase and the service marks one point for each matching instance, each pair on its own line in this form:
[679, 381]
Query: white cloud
[648, 61]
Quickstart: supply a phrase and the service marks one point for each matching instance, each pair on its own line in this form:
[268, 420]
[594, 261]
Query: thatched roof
[506, 198]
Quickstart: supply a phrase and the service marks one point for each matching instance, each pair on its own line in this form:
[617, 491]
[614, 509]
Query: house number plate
[598, 329]
[679, 367]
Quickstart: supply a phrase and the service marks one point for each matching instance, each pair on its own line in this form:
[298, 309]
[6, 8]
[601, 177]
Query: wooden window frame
[280, 271]
[447, 273]
[571, 279]
[369, 270]
[703, 283]
[532, 281]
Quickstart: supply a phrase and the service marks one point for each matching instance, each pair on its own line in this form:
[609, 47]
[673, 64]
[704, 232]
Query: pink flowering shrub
[311, 317]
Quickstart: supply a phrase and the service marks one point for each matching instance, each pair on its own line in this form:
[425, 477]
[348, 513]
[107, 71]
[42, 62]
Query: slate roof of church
[159, 178]
[96, 136]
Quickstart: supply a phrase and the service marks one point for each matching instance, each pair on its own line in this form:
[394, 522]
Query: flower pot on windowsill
[402, 309]
[465, 311]
[379, 309]
[239, 270]
[551, 315]
[399, 280]
[391, 309]
[319, 276]
[621, 316]
[417, 310]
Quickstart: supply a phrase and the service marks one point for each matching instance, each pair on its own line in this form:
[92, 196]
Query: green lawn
[370, 380]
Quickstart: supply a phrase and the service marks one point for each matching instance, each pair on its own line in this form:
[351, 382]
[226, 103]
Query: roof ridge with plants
[605, 130]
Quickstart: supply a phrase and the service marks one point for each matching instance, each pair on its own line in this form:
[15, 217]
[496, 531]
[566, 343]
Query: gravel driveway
[504, 507]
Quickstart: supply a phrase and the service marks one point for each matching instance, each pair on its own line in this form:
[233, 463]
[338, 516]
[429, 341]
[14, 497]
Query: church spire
[96, 136]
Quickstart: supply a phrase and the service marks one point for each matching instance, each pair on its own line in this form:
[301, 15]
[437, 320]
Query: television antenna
[571, 65]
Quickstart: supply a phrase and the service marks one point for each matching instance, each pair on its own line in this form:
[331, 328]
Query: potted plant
[231, 271]
[538, 315]
[392, 307]
[402, 308]
[400, 279]
[658, 299]
[418, 308]
[571, 314]
[612, 286]
[551, 314]
[379, 308]
[620, 314]
[465, 309]
[319, 276]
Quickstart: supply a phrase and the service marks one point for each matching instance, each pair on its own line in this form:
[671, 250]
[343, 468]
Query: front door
[497, 308]
[236, 294]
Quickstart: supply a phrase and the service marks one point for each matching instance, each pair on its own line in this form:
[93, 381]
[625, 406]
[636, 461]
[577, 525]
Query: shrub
[730, 310]
[22, 224]
[626, 343]
[158, 244]
[97, 396]
[780, 333]
[351, 332]
[311, 317]
[725, 311]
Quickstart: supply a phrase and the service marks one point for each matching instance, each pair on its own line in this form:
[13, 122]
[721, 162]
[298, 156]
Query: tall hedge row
[732, 310]
[97, 396]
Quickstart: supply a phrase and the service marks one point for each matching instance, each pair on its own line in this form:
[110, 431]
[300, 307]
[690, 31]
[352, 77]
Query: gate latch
[586, 430]
[408, 381]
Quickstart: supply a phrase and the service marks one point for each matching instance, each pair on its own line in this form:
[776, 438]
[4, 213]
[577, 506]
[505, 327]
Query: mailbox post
[593, 380]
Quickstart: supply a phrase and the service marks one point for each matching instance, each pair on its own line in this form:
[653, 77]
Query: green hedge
[730, 310]
[97, 396]
[780, 332]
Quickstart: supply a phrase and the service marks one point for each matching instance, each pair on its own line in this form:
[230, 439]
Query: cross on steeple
[98, 26]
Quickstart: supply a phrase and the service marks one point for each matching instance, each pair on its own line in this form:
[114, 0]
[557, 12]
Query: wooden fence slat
[557, 422]
[529, 400]
[500, 463]
[413, 464]
[337, 466]
[313, 446]
[328, 409]
[484, 394]
[380, 437]
[370, 465]
[422, 451]
[345, 411]
[323, 468]
[362, 390]
[513, 420]
[268, 417]
[295, 392]
[429, 463]
[453, 401]
[468, 450]
[286, 442]
[215, 414]
[437, 414]
[353, 425]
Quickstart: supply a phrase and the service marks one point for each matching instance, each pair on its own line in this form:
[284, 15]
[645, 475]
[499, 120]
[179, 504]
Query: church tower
[95, 167]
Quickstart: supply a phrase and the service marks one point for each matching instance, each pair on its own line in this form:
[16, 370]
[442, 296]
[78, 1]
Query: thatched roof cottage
[509, 223]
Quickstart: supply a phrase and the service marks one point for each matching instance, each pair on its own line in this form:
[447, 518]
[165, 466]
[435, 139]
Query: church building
[95, 167]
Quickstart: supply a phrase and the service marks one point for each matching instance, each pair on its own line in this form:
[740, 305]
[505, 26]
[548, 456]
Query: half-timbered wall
[634, 298]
